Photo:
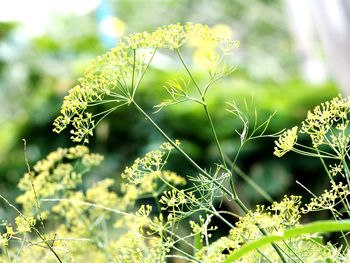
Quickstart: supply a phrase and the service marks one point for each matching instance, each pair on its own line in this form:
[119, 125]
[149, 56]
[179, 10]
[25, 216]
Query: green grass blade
[323, 226]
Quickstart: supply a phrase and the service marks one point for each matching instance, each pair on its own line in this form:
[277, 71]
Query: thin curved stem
[222, 156]
[205, 108]
[143, 73]
[189, 72]
[35, 230]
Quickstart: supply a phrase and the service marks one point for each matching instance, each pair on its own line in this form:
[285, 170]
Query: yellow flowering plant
[157, 215]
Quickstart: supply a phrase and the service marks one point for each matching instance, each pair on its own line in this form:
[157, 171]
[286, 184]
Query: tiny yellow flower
[24, 224]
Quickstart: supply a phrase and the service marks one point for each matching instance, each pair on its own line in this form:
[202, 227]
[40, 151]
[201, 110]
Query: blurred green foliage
[261, 26]
[34, 76]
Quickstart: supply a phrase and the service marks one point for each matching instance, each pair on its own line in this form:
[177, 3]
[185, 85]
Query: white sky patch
[35, 15]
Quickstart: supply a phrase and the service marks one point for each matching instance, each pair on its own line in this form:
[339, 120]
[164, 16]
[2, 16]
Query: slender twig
[72, 201]
[35, 230]
[143, 73]
[189, 72]
[133, 68]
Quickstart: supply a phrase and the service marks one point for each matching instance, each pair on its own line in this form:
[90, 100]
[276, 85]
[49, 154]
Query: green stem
[347, 171]
[205, 109]
[133, 69]
[254, 185]
[188, 158]
[331, 179]
[156, 200]
[7, 255]
[189, 72]
[143, 73]
[35, 230]
[214, 133]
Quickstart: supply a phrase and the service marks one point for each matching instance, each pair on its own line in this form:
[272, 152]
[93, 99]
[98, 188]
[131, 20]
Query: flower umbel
[114, 77]
[286, 141]
[321, 119]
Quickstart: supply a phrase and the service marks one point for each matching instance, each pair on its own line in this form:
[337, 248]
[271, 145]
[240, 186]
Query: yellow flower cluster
[133, 247]
[146, 175]
[136, 244]
[177, 202]
[23, 225]
[54, 176]
[57, 180]
[326, 125]
[148, 184]
[202, 227]
[329, 199]
[336, 169]
[323, 117]
[112, 74]
[174, 199]
[152, 162]
[246, 229]
[288, 210]
[4, 238]
[286, 141]
[274, 220]
[79, 217]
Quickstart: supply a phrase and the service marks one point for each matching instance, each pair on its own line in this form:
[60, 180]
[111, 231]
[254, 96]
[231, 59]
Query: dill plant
[74, 225]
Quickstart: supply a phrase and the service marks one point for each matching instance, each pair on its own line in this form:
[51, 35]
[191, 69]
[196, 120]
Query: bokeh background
[292, 57]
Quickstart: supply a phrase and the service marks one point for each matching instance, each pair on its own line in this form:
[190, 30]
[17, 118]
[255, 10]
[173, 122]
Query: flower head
[112, 76]
[286, 141]
[55, 175]
[323, 117]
